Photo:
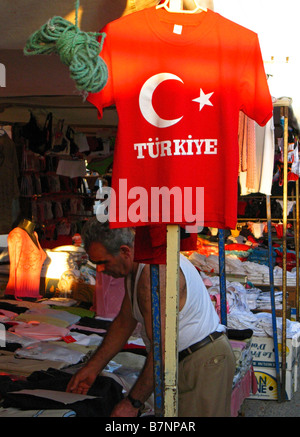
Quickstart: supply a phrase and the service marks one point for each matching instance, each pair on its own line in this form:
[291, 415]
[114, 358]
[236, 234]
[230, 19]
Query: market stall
[57, 168]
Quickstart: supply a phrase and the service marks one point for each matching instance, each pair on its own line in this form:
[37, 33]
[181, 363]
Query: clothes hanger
[170, 8]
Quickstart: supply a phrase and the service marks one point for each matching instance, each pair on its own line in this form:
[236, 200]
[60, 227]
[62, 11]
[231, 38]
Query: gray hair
[112, 239]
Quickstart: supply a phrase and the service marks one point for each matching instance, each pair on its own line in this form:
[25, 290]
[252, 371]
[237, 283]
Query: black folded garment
[106, 390]
[239, 334]
[10, 347]
[91, 322]
[12, 307]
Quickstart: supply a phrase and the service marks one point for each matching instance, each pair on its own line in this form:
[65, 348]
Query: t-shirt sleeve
[105, 97]
[256, 100]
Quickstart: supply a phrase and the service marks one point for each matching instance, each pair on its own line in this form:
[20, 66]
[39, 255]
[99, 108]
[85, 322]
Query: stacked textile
[258, 274]
[207, 247]
[260, 255]
[264, 300]
[240, 302]
[260, 323]
[46, 391]
[57, 336]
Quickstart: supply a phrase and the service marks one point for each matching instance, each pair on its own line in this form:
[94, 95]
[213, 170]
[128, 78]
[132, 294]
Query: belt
[194, 347]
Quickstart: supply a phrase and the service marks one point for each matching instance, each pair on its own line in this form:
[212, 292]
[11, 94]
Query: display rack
[284, 106]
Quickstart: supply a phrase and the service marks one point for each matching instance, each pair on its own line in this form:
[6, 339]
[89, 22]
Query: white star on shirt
[203, 99]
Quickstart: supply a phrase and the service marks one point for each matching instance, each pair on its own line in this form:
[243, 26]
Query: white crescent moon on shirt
[145, 100]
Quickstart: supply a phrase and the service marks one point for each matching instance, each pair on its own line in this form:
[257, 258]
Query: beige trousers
[205, 381]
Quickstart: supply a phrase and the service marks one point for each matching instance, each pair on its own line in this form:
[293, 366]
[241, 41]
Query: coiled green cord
[77, 49]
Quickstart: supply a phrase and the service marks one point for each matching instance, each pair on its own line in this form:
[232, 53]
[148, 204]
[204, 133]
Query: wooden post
[171, 329]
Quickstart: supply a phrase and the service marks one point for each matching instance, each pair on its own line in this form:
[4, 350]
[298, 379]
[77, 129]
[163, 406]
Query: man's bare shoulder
[144, 285]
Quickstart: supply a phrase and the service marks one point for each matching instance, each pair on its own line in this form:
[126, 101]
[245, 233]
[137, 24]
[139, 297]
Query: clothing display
[192, 138]
[255, 272]
[103, 395]
[187, 141]
[39, 357]
[240, 317]
[9, 173]
[26, 261]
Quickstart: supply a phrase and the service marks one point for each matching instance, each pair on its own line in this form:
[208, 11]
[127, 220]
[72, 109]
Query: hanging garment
[101, 164]
[179, 121]
[265, 151]
[108, 296]
[72, 169]
[81, 141]
[257, 229]
[247, 148]
[33, 134]
[292, 163]
[9, 189]
[150, 243]
[290, 205]
[295, 165]
[26, 261]
[264, 161]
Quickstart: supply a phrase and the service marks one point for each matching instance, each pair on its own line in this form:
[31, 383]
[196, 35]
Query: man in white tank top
[206, 361]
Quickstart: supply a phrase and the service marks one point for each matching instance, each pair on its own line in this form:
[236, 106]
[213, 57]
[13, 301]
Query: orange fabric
[247, 149]
[26, 261]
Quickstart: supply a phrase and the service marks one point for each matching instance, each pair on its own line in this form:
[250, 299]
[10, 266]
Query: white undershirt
[197, 319]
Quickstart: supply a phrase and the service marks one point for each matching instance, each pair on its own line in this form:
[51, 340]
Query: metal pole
[156, 332]
[222, 276]
[171, 317]
[271, 275]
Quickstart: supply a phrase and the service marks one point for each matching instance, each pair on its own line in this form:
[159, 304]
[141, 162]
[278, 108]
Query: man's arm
[114, 341]
[145, 382]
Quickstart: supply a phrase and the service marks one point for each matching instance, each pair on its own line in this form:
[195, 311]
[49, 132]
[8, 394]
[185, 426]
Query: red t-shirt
[178, 82]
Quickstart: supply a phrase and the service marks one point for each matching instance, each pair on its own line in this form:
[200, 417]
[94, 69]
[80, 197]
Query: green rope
[77, 49]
